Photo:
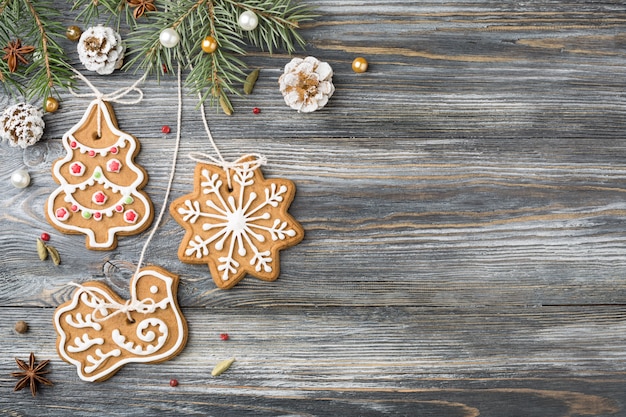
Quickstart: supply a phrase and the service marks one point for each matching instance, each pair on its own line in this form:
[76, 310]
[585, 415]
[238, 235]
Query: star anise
[141, 6]
[14, 52]
[31, 374]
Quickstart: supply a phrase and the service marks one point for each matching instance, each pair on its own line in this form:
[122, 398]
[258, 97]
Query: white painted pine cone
[100, 49]
[307, 84]
[22, 125]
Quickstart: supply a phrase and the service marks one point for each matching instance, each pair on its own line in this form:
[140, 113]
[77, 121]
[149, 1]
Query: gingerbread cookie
[99, 193]
[239, 231]
[99, 332]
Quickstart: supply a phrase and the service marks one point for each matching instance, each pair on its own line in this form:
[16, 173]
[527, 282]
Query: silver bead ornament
[20, 178]
[248, 20]
[169, 38]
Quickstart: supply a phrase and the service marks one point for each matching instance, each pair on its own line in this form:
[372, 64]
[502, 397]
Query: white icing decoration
[81, 323]
[101, 358]
[68, 189]
[98, 366]
[84, 343]
[147, 337]
[237, 229]
[154, 289]
[81, 172]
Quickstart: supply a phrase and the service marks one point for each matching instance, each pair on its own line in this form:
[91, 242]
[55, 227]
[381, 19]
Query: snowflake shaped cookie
[239, 231]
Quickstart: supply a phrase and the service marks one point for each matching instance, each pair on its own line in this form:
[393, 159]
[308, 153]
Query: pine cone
[22, 125]
[100, 49]
[307, 84]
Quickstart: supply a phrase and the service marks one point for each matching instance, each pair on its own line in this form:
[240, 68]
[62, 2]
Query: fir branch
[44, 42]
[35, 22]
[215, 74]
[90, 11]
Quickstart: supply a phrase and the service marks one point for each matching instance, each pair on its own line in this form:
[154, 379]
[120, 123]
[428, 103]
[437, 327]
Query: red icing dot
[99, 197]
[256, 110]
[97, 215]
[62, 213]
[74, 208]
[165, 129]
[114, 165]
[173, 382]
[91, 153]
[76, 168]
[73, 144]
[45, 237]
[114, 150]
[224, 336]
[130, 216]
[119, 208]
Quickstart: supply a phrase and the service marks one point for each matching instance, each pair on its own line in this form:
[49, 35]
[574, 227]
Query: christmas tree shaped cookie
[236, 231]
[100, 185]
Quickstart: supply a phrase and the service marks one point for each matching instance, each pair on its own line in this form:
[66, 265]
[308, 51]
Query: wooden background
[464, 203]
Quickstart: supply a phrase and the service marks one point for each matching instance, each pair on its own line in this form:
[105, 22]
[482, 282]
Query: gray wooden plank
[397, 361]
[463, 204]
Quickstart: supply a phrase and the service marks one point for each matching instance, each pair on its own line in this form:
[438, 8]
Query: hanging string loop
[102, 306]
[113, 97]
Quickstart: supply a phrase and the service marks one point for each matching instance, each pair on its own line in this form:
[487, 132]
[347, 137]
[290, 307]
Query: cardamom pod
[222, 367]
[41, 250]
[54, 255]
[226, 106]
[248, 85]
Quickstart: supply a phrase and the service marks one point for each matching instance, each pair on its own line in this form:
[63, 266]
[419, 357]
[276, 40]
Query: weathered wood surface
[464, 208]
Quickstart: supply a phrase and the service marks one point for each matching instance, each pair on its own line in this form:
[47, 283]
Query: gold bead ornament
[359, 65]
[73, 33]
[209, 44]
[51, 105]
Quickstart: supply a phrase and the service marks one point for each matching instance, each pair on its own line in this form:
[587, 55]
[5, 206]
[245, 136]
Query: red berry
[166, 129]
[256, 110]
[45, 237]
[173, 382]
[224, 336]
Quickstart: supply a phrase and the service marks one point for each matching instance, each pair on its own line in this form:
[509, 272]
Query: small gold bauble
[51, 105]
[209, 44]
[73, 33]
[359, 64]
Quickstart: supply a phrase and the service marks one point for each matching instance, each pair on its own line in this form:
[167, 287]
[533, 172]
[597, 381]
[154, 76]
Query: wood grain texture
[464, 208]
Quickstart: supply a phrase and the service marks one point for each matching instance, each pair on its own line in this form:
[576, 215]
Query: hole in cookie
[131, 321]
[96, 136]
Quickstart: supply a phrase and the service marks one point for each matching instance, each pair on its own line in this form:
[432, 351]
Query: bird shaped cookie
[99, 332]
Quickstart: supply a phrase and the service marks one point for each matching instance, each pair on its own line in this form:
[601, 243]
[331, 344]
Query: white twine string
[257, 161]
[145, 306]
[179, 122]
[114, 97]
[148, 305]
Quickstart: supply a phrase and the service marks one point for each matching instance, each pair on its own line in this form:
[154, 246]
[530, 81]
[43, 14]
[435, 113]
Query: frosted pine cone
[307, 84]
[100, 49]
[22, 125]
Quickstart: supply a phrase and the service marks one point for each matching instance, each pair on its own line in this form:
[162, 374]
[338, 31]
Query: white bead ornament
[20, 178]
[169, 38]
[248, 20]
